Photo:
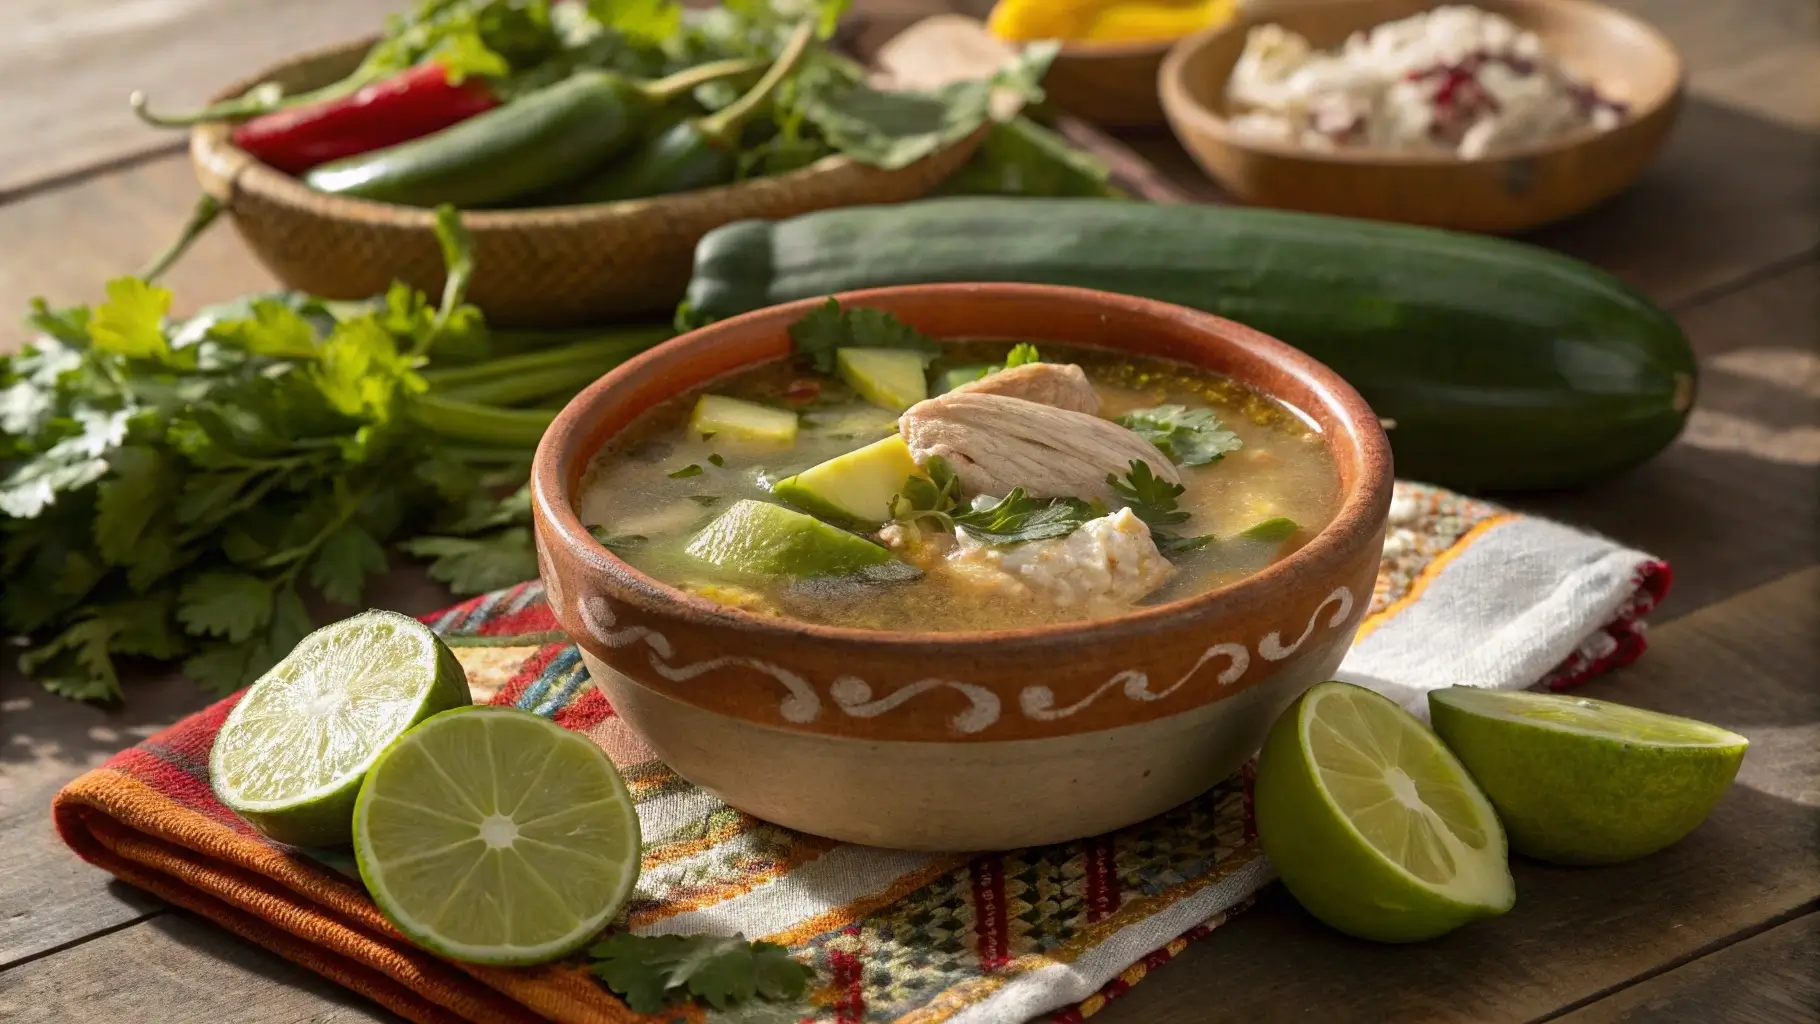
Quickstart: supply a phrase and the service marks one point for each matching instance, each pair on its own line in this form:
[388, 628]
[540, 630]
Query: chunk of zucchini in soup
[889, 378]
[874, 538]
[742, 421]
[856, 487]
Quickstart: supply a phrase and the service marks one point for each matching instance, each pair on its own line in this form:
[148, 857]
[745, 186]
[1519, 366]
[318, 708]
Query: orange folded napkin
[906, 937]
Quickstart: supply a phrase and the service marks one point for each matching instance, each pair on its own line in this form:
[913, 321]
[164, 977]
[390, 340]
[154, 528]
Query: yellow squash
[1105, 20]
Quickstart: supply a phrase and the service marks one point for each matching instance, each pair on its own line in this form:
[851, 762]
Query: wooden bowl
[965, 741]
[558, 267]
[1110, 84]
[1510, 191]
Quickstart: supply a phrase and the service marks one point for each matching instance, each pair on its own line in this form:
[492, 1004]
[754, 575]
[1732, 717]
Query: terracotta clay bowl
[965, 741]
[1515, 190]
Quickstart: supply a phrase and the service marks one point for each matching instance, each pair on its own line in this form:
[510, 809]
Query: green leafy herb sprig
[1156, 501]
[647, 971]
[1016, 518]
[1190, 437]
[173, 489]
[829, 328]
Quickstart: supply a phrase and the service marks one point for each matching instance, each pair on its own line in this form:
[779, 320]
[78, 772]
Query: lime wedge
[1582, 781]
[1372, 824]
[493, 836]
[290, 757]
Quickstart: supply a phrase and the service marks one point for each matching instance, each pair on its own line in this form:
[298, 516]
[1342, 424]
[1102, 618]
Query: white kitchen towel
[1470, 594]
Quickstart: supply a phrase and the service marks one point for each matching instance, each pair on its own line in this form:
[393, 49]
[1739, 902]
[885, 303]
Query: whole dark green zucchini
[1496, 365]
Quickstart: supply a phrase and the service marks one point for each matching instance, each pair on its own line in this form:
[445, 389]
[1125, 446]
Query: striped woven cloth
[1467, 592]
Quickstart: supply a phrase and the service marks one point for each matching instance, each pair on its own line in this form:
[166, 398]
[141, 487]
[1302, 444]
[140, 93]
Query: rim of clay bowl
[577, 435]
[1181, 101]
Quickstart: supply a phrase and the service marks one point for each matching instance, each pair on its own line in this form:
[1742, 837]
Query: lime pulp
[291, 755]
[1372, 824]
[491, 835]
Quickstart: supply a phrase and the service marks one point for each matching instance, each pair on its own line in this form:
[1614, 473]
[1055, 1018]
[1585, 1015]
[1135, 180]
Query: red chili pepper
[408, 105]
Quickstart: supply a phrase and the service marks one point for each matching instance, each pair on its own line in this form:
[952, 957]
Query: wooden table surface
[1722, 230]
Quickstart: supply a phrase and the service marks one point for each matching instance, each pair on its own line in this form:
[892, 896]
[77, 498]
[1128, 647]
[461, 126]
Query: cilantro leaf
[1020, 157]
[895, 128]
[343, 563]
[829, 328]
[1017, 519]
[1190, 437]
[136, 489]
[34, 485]
[67, 326]
[230, 604]
[361, 372]
[1150, 497]
[273, 329]
[224, 667]
[206, 495]
[722, 971]
[471, 565]
[645, 22]
[24, 409]
[935, 494]
[692, 469]
[1022, 353]
[145, 626]
[76, 663]
[131, 322]
[465, 55]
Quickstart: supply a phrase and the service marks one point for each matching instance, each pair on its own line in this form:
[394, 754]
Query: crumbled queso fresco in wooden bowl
[1452, 80]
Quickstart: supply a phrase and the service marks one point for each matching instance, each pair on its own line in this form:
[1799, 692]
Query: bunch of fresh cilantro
[176, 489]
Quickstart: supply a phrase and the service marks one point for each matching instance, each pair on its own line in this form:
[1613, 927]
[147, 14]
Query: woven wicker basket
[556, 267]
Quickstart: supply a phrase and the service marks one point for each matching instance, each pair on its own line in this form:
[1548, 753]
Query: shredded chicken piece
[995, 443]
[1103, 568]
[1060, 385]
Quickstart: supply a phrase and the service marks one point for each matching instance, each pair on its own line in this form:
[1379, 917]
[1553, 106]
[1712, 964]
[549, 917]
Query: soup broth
[652, 492]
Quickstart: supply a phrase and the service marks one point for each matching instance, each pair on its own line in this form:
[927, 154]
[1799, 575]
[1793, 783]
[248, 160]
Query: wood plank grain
[1760, 56]
[1772, 978]
[1731, 193]
[175, 969]
[67, 243]
[67, 67]
[48, 897]
[1746, 664]
[1732, 504]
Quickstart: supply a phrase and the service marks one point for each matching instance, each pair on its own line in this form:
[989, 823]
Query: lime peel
[1583, 781]
[1372, 824]
[291, 755]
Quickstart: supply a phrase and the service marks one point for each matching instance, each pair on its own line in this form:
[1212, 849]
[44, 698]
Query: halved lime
[1372, 824]
[290, 757]
[1582, 781]
[494, 836]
